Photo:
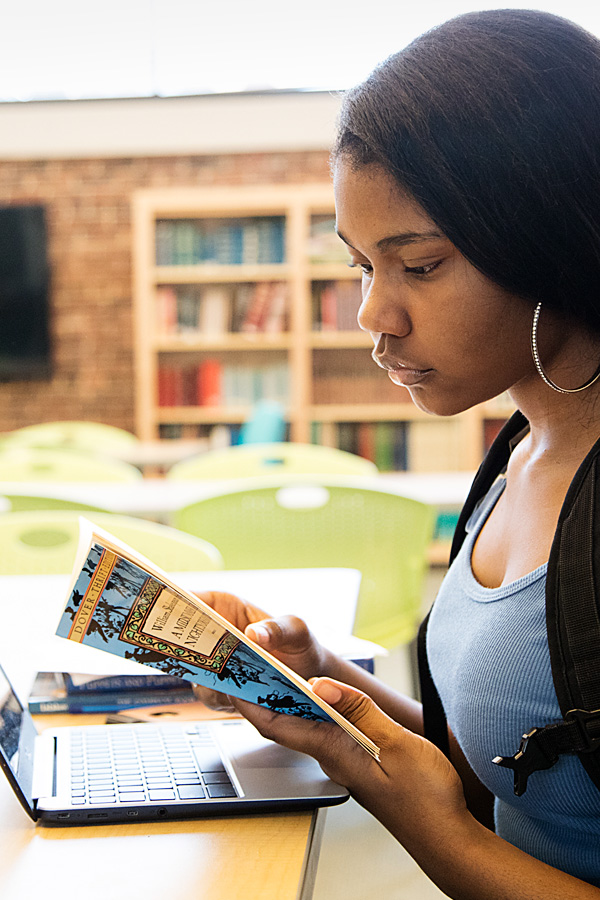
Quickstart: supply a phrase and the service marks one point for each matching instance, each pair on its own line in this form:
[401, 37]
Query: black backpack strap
[573, 625]
[572, 621]
[496, 460]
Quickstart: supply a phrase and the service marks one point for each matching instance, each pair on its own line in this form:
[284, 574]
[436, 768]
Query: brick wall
[89, 224]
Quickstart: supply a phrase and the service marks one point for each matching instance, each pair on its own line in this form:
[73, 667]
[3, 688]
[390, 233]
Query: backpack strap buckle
[579, 732]
[531, 756]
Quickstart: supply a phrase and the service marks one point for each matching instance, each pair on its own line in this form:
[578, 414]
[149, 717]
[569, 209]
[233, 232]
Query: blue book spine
[118, 683]
[106, 702]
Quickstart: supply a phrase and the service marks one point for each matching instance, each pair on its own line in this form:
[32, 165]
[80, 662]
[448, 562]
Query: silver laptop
[90, 774]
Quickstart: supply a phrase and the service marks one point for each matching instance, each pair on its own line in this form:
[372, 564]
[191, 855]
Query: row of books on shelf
[214, 383]
[336, 305]
[215, 309]
[226, 242]
[384, 443]
[217, 436]
[419, 446]
[428, 445]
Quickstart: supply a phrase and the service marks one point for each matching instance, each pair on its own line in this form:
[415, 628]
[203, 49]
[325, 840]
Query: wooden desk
[267, 857]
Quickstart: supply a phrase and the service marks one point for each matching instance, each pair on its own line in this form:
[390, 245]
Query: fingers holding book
[288, 638]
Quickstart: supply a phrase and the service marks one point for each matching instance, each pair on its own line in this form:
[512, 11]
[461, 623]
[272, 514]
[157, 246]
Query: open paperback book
[120, 602]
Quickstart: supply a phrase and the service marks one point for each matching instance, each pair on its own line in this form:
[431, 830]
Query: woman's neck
[563, 427]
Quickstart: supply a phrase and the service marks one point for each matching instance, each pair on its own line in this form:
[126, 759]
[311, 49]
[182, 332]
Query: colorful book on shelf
[365, 443]
[176, 385]
[209, 379]
[229, 242]
[348, 295]
[120, 602]
[215, 310]
[184, 242]
[242, 294]
[329, 308]
[163, 237]
[336, 305]
[168, 386]
[271, 240]
[384, 446]
[166, 309]
[54, 692]
[258, 307]
[274, 321]
[188, 310]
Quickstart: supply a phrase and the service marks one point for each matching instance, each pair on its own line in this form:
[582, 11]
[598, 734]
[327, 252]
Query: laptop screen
[17, 743]
[11, 717]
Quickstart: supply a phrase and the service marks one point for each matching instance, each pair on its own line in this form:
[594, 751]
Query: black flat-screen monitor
[24, 294]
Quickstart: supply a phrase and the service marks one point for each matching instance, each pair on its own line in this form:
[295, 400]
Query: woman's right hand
[288, 638]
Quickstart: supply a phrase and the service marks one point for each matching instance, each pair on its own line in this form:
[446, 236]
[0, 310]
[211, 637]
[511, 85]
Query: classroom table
[261, 857]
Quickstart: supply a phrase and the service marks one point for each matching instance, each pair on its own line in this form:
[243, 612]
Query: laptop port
[97, 815]
[64, 816]
[132, 812]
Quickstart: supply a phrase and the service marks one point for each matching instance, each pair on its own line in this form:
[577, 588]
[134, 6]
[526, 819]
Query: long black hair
[492, 122]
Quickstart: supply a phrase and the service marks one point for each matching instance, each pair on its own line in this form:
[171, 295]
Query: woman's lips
[405, 377]
[399, 373]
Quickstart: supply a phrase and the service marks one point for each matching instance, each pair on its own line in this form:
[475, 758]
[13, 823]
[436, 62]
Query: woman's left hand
[417, 794]
[412, 784]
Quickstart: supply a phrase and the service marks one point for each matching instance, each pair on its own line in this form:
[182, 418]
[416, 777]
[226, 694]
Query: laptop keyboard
[124, 764]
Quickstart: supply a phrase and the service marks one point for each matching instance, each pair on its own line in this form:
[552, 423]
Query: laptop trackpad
[265, 769]
[246, 747]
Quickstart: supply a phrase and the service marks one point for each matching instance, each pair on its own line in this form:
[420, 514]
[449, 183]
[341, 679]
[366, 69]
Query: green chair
[44, 542]
[272, 458]
[42, 464]
[23, 502]
[88, 437]
[286, 524]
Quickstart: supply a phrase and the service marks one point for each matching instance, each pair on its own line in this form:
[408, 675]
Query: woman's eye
[367, 268]
[422, 270]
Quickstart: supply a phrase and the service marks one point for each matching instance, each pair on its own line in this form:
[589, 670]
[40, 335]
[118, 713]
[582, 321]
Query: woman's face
[440, 328]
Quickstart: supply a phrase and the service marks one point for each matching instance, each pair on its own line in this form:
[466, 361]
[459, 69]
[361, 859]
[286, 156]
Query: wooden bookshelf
[250, 287]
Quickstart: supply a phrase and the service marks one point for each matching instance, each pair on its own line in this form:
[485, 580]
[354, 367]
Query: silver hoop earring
[538, 362]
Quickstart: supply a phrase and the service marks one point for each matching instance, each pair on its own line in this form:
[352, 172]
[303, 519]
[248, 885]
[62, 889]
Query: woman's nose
[382, 311]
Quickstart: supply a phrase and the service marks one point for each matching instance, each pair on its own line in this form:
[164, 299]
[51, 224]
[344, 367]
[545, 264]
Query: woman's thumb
[284, 633]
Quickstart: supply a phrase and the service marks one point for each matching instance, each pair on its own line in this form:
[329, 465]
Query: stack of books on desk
[56, 692]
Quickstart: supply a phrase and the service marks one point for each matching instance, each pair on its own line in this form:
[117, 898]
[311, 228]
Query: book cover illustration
[119, 607]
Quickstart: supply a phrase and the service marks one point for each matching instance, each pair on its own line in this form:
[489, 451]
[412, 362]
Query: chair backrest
[22, 502]
[91, 437]
[299, 525]
[45, 542]
[42, 464]
[277, 458]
